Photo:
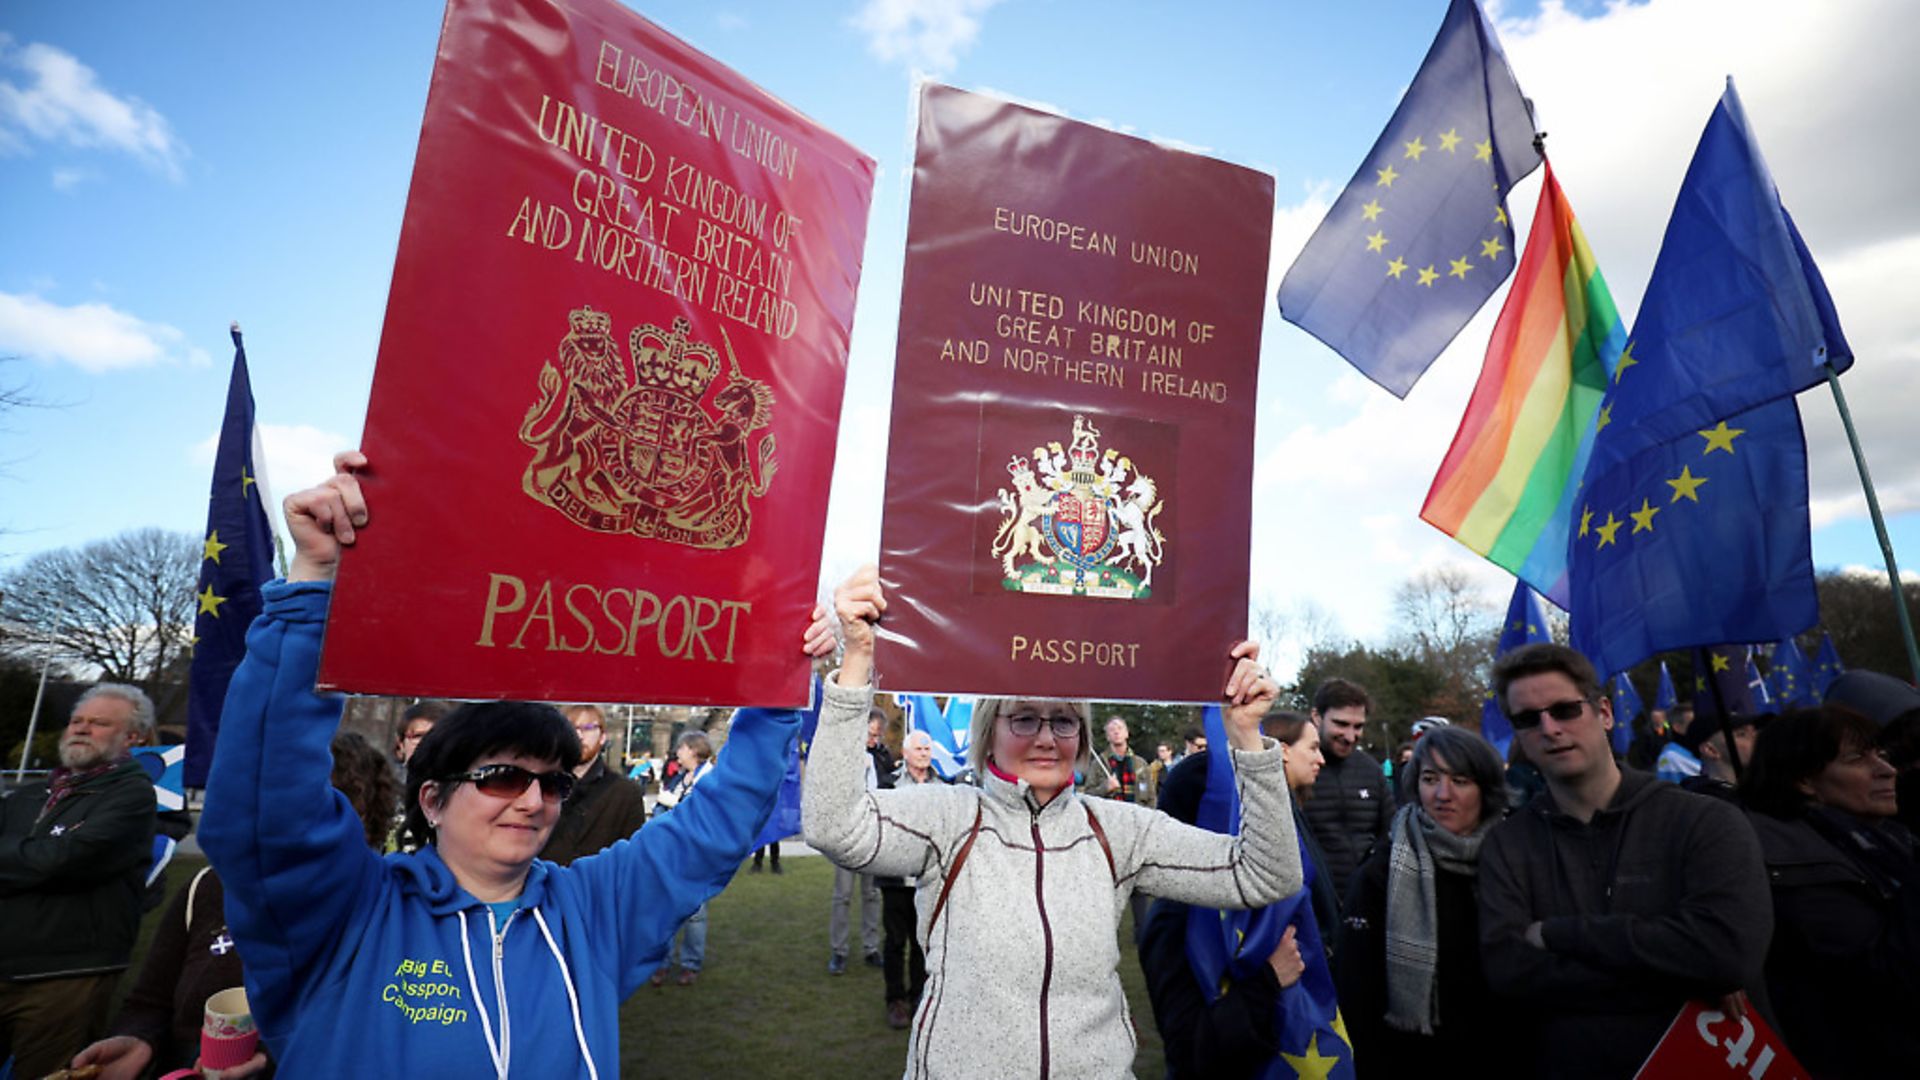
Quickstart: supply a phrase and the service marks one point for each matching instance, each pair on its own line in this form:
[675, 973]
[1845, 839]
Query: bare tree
[1447, 623]
[123, 605]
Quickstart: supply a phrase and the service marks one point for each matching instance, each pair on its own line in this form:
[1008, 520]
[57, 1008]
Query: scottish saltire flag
[166, 767]
[1236, 944]
[1826, 666]
[1506, 487]
[1735, 313]
[1420, 237]
[1526, 624]
[1720, 682]
[236, 557]
[1665, 699]
[1626, 706]
[949, 727]
[1757, 688]
[1790, 676]
[785, 819]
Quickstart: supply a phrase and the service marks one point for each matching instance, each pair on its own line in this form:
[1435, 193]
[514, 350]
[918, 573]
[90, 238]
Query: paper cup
[228, 1037]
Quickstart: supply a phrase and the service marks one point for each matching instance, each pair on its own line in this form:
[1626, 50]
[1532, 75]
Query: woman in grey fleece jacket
[1022, 882]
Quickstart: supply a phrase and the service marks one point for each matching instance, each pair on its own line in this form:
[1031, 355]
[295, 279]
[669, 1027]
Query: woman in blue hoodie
[470, 956]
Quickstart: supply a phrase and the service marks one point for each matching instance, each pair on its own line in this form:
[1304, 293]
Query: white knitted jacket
[1021, 964]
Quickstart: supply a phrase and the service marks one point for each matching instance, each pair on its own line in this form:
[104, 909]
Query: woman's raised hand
[325, 518]
[1249, 694]
[858, 604]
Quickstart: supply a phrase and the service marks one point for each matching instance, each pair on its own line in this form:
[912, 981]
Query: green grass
[765, 1006]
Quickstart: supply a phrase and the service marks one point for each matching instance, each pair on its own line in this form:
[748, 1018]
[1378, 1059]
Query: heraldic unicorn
[1079, 522]
[637, 448]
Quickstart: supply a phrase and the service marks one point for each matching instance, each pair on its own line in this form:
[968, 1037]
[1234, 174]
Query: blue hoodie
[363, 966]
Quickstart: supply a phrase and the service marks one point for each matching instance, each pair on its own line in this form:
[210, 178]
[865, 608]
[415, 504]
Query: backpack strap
[193, 889]
[959, 860]
[1100, 834]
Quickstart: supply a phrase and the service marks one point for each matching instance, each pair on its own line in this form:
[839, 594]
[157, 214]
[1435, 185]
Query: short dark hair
[1464, 752]
[1192, 732]
[1340, 694]
[1541, 658]
[475, 730]
[1795, 747]
[1284, 725]
[433, 709]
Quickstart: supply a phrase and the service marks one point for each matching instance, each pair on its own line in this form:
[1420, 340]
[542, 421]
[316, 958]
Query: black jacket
[71, 881]
[1659, 899]
[603, 808]
[1351, 807]
[1844, 967]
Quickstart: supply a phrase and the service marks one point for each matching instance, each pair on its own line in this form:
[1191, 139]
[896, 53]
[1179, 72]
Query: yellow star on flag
[1396, 267]
[1483, 151]
[1721, 662]
[1626, 361]
[1643, 517]
[1720, 437]
[1606, 417]
[1500, 214]
[1416, 148]
[213, 547]
[1370, 210]
[1312, 1065]
[1429, 275]
[1460, 268]
[1607, 529]
[209, 603]
[1449, 139]
[1387, 177]
[1699, 682]
[1377, 241]
[246, 482]
[1491, 249]
[1686, 485]
[1339, 1024]
[1586, 520]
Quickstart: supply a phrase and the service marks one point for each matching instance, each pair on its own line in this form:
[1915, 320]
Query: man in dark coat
[74, 853]
[604, 807]
[1351, 804]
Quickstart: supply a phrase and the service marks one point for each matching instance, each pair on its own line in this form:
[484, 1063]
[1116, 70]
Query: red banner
[1071, 456]
[1706, 1044]
[604, 410]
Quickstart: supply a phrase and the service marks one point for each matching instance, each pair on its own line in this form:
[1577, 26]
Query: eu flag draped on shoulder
[235, 559]
[949, 728]
[1236, 944]
[1420, 238]
[1526, 624]
[1692, 524]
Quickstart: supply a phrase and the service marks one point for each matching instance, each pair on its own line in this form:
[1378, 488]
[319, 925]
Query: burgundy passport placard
[604, 409]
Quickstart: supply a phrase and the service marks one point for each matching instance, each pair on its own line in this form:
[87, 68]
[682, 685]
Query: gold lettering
[543, 600]
[495, 607]
[579, 617]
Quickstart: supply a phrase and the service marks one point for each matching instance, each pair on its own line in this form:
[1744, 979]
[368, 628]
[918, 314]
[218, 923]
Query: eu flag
[1236, 944]
[1735, 313]
[1526, 624]
[1791, 676]
[1626, 706]
[1665, 699]
[1420, 237]
[1721, 684]
[235, 558]
[785, 819]
[1826, 666]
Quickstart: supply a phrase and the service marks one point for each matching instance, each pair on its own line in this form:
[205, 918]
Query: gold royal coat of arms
[636, 448]
[1079, 522]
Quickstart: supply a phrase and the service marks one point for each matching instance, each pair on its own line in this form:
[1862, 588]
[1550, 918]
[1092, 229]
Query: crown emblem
[668, 361]
[588, 321]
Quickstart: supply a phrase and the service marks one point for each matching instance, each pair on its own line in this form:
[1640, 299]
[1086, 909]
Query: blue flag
[236, 558]
[1720, 682]
[1757, 689]
[1526, 624]
[1665, 699]
[785, 820]
[1236, 944]
[1826, 666]
[950, 729]
[1735, 313]
[1626, 706]
[1790, 676]
[1420, 237]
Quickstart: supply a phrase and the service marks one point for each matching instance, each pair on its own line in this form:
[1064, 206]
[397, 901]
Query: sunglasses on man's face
[1563, 711]
[503, 781]
[1026, 725]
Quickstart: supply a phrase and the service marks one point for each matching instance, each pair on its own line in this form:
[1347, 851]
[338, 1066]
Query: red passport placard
[604, 411]
[1071, 458]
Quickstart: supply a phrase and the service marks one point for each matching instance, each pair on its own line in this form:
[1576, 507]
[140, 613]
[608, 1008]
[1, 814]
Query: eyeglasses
[1563, 711]
[503, 781]
[1027, 725]
[585, 728]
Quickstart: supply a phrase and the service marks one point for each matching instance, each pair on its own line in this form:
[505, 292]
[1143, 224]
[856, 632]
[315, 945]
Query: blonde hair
[987, 709]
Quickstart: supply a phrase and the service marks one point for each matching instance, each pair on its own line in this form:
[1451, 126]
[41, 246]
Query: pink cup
[228, 1037]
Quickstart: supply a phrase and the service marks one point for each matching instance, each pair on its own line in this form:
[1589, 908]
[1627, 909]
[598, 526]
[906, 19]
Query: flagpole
[1879, 525]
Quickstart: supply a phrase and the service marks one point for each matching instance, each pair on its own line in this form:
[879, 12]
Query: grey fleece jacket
[1021, 964]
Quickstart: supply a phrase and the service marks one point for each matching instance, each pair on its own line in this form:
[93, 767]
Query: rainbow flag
[1507, 484]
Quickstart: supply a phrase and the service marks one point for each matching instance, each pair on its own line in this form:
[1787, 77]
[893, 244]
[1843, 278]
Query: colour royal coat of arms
[1079, 522]
[638, 448]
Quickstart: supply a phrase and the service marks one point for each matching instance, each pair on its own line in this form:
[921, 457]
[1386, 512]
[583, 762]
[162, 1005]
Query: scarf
[1419, 848]
[64, 782]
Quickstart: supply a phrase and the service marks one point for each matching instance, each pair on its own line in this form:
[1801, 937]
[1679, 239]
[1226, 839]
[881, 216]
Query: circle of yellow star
[1483, 151]
[1491, 249]
[1626, 361]
[1586, 520]
[209, 603]
[1377, 241]
[1720, 437]
[1396, 267]
[1460, 268]
[1416, 148]
[213, 547]
[1450, 139]
[1686, 485]
[1429, 275]
[1371, 209]
[1721, 662]
[1387, 177]
[1607, 529]
[1643, 517]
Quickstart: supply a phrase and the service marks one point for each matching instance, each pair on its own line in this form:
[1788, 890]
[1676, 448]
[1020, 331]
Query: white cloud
[60, 100]
[928, 34]
[94, 337]
[68, 179]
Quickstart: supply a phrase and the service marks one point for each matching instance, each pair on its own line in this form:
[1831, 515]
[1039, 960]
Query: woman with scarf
[1411, 985]
[1843, 970]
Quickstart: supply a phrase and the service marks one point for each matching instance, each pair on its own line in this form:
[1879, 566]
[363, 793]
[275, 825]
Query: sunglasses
[503, 781]
[1563, 711]
[1027, 725]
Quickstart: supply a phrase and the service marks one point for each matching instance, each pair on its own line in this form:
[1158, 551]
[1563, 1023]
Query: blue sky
[167, 168]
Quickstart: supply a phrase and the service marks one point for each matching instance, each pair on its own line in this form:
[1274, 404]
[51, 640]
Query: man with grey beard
[74, 854]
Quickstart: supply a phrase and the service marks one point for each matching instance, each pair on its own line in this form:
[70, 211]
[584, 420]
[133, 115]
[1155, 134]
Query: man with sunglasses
[1613, 898]
[604, 806]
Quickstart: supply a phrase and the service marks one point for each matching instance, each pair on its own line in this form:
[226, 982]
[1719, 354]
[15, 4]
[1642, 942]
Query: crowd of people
[484, 897]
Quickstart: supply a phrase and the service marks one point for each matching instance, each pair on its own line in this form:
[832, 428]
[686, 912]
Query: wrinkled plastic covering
[604, 410]
[1070, 466]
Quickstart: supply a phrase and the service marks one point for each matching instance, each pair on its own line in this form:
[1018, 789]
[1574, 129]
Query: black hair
[363, 775]
[1795, 747]
[1341, 694]
[1464, 753]
[1540, 658]
[475, 730]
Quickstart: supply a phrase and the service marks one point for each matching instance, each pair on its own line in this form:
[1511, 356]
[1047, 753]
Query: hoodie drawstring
[573, 999]
[486, 1024]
